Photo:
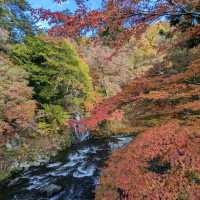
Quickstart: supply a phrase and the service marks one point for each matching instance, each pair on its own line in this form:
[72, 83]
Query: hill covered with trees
[142, 77]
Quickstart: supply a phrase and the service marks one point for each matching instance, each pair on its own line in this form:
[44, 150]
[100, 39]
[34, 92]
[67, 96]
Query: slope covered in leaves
[42, 81]
[162, 163]
[164, 107]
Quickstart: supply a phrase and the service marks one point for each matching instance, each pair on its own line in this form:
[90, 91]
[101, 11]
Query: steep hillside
[42, 82]
[163, 161]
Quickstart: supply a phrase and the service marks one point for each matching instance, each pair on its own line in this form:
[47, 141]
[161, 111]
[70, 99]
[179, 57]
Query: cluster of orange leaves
[19, 109]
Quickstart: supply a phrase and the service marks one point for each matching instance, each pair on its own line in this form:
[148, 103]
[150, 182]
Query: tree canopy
[118, 20]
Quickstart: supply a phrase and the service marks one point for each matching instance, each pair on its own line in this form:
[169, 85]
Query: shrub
[52, 119]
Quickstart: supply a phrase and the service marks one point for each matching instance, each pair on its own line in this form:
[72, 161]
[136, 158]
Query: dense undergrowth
[174, 142]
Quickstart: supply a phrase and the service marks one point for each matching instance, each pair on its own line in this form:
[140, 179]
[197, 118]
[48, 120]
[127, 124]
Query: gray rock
[50, 190]
[8, 146]
[14, 143]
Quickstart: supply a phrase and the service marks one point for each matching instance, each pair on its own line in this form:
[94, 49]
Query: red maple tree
[117, 20]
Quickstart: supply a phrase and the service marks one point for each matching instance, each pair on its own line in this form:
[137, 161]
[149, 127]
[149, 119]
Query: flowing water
[72, 175]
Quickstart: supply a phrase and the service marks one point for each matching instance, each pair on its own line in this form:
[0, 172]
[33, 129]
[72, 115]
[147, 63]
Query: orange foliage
[20, 115]
[116, 115]
[194, 106]
[90, 103]
[19, 109]
[6, 128]
[141, 88]
[162, 163]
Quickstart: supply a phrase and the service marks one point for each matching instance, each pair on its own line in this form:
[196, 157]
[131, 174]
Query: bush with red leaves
[163, 163]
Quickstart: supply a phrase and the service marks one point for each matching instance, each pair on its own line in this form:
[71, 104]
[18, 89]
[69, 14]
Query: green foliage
[60, 79]
[57, 74]
[52, 119]
[55, 114]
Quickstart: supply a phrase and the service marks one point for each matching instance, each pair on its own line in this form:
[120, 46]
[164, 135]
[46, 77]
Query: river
[72, 175]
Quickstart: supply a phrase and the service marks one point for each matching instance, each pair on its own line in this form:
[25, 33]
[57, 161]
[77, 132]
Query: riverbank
[32, 150]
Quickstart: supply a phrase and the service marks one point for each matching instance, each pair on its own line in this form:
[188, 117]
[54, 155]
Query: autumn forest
[100, 100]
